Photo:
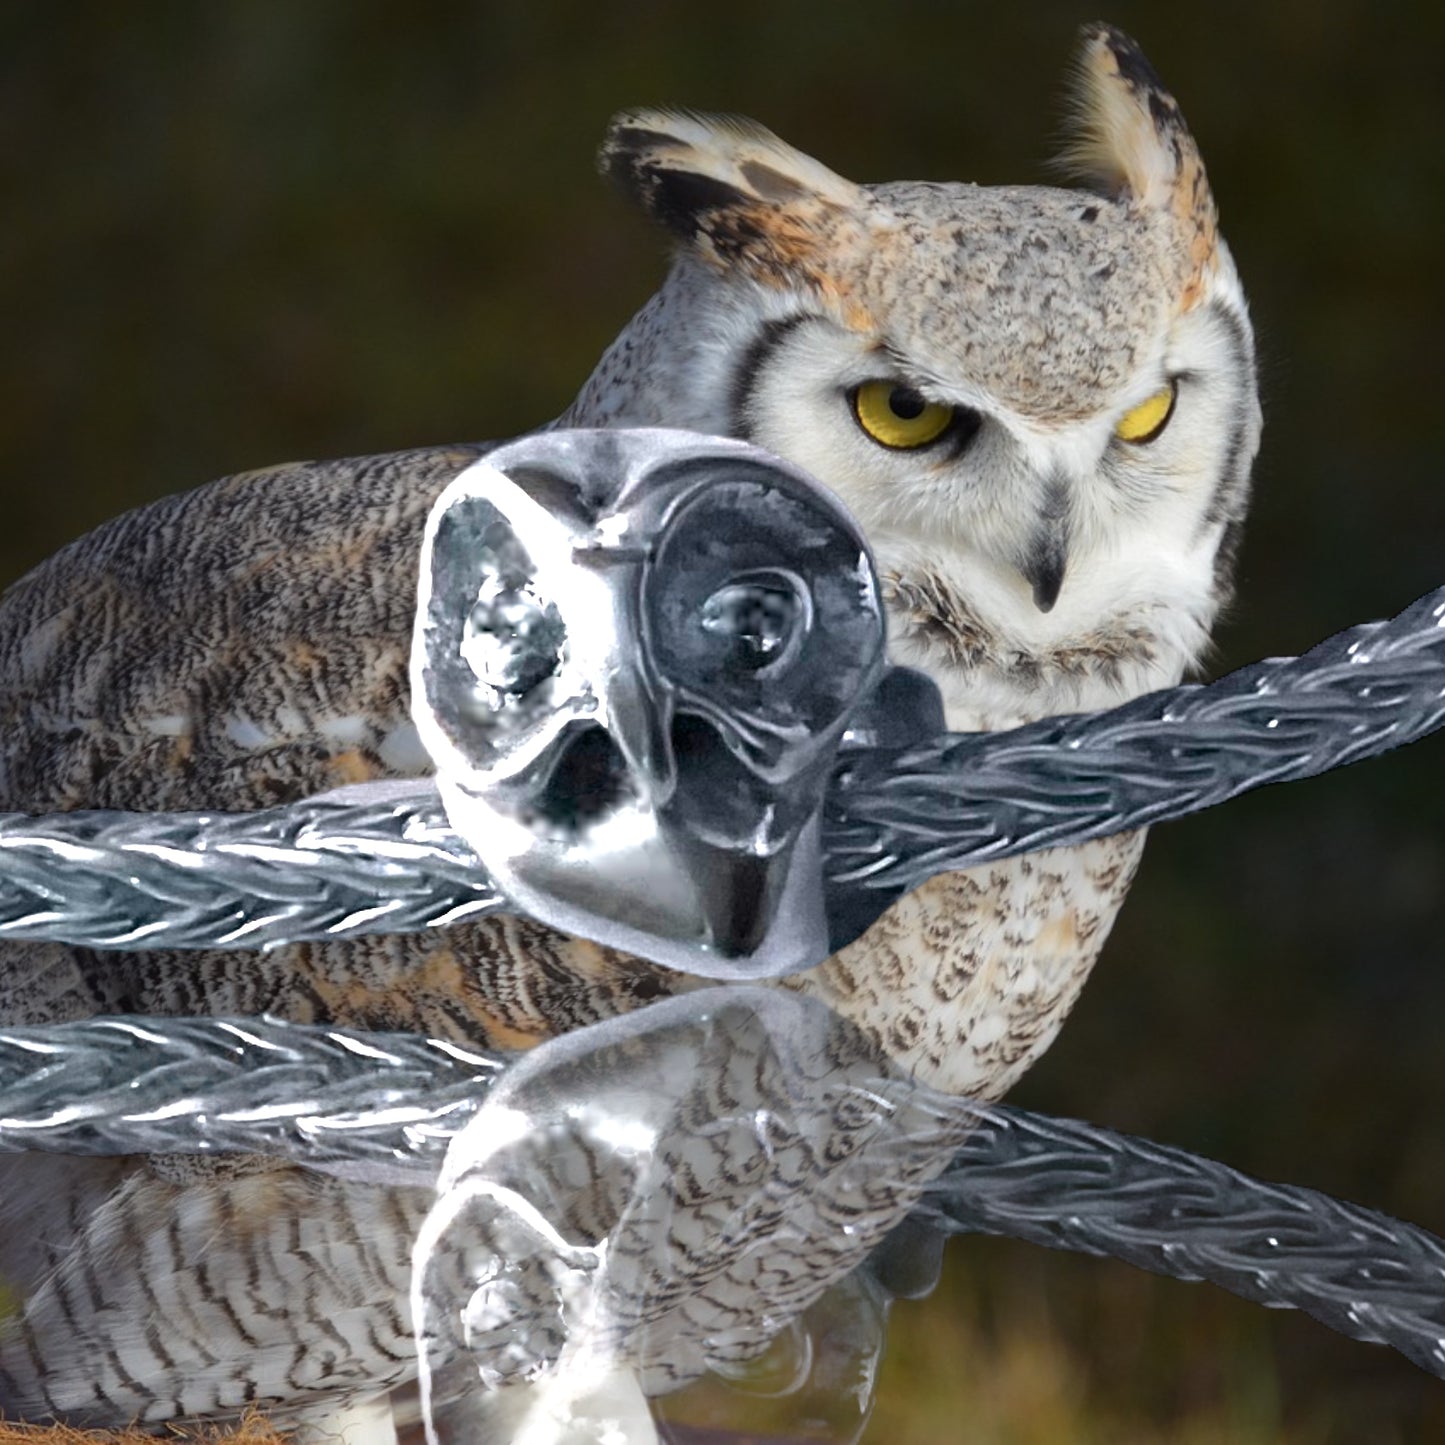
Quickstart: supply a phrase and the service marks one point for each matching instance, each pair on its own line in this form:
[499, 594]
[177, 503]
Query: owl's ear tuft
[730, 189]
[1131, 144]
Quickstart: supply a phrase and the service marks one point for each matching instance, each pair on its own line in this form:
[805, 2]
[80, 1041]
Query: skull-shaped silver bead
[636, 653]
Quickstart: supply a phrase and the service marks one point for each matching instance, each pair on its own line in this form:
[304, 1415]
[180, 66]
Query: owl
[1040, 405]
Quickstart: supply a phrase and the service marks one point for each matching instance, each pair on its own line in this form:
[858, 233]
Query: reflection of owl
[1040, 405]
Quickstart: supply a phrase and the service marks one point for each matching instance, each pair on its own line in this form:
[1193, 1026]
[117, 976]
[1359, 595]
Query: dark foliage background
[236, 233]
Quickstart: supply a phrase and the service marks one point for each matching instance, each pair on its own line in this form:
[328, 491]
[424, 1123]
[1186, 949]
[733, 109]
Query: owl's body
[1078, 365]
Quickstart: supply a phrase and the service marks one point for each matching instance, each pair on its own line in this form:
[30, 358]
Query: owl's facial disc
[1038, 402]
[893, 413]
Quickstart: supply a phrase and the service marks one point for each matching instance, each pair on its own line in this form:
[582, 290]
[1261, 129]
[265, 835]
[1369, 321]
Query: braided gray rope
[318, 869]
[895, 816]
[385, 1106]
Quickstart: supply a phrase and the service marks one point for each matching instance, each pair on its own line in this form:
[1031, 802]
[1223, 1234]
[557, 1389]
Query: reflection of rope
[319, 1095]
[385, 1106]
[895, 816]
[1074, 1186]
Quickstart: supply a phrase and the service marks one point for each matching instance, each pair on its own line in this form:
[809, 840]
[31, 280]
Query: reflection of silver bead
[672, 1192]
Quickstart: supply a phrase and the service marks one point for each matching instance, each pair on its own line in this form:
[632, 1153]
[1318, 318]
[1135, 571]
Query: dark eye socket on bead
[898, 417]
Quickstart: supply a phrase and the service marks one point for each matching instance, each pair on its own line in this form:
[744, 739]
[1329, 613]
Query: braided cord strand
[321, 1096]
[316, 869]
[896, 817]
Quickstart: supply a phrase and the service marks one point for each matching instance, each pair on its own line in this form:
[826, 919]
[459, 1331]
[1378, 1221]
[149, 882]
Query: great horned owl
[1040, 405]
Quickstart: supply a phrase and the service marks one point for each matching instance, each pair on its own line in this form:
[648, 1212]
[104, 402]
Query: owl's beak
[1045, 573]
[1047, 558]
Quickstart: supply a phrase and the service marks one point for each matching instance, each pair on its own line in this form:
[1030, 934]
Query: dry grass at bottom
[251, 1429]
[1023, 1346]
[1026, 1347]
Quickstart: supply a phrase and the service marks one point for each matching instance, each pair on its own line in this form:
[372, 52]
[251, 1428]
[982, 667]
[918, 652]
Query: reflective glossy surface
[636, 655]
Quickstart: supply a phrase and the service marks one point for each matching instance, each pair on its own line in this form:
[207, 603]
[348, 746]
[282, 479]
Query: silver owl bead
[635, 655]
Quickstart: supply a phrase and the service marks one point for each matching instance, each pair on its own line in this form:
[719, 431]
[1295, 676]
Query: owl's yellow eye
[1144, 422]
[896, 416]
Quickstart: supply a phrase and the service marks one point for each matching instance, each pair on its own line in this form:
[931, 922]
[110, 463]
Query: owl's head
[1038, 402]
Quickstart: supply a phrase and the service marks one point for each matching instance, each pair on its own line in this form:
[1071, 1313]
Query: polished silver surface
[635, 655]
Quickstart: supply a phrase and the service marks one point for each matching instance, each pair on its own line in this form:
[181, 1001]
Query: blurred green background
[235, 234]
